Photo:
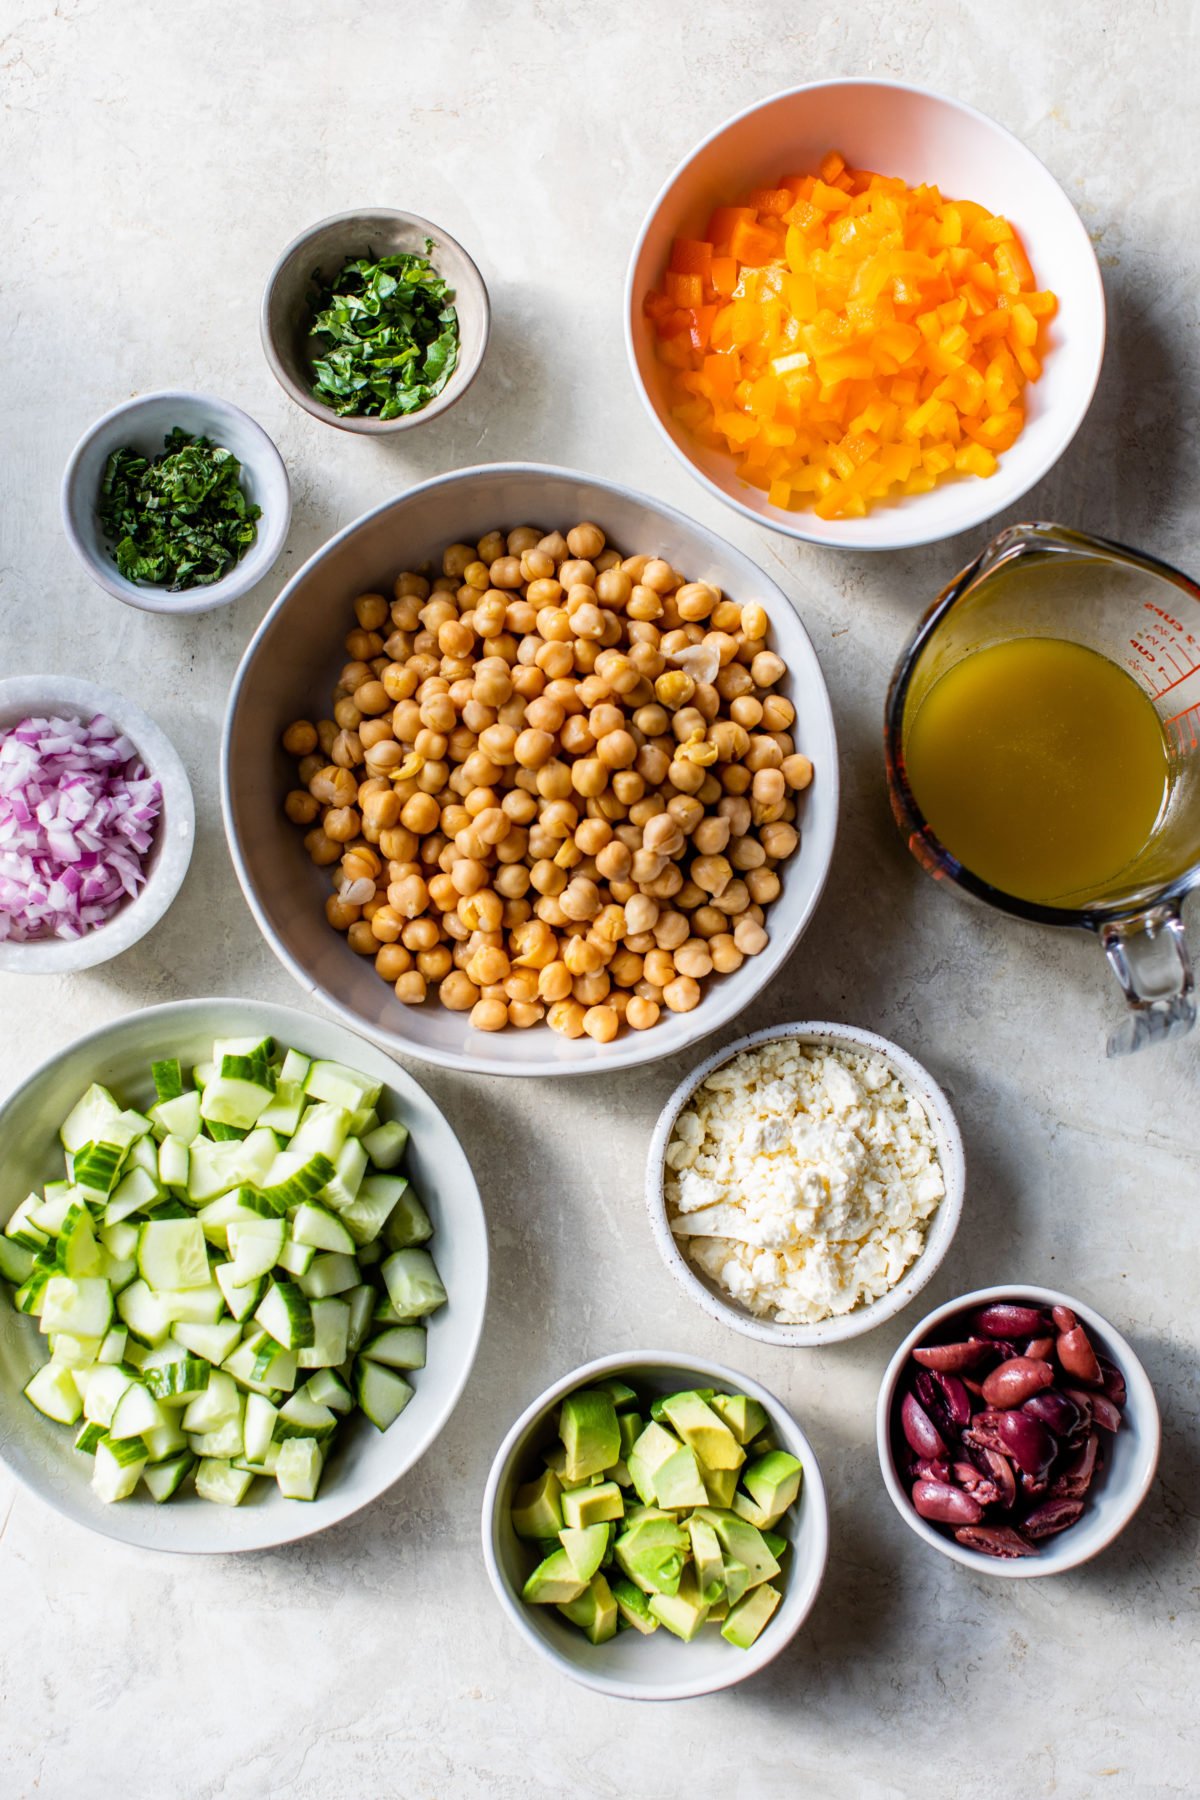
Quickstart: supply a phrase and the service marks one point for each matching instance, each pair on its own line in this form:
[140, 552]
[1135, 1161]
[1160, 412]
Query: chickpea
[566, 1017]
[749, 937]
[763, 886]
[696, 601]
[642, 1013]
[554, 982]
[341, 823]
[301, 808]
[682, 995]
[582, 956]
[797, 771]
[686, 777]
[300, 738]
[361, 939]
[659, 967]
[671, 930]
[434, 964]
[767, 668]
[340, 914]
[779, 840]
[695, 959]
[778, 714]
[420, 934]
[641, 914]
[726, 957]
[581, 899]
[458, 991]
[601, 1023]
[768, 787]
[392, 961]
[524, 1013]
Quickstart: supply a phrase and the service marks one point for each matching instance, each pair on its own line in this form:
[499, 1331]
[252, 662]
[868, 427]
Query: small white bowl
[1117, 1490]
[939, 1236]
[143, 423]
[912, 132]
[364, 1462]
[659, 1667]
[170, 853]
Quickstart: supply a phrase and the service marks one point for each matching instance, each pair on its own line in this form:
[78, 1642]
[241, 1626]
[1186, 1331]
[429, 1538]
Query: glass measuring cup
[1044, 581]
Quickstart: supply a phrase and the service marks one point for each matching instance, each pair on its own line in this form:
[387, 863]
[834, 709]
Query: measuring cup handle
[1149, 956]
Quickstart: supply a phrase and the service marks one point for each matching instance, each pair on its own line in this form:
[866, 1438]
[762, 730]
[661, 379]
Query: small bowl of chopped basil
[176, 502]
[375, 321]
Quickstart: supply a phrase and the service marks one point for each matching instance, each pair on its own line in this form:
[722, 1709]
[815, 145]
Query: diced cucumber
[323, 1131]
[60, 1199]
[376, 1200]
[78, 1253]
[323, 1230]
[219, 1481]
[230, 1099]
[331, 1330]
[97, 1116]
[273, 1364]
[135, 1193]
[243, 1362]
[95, 1168]
[166, 1478]
[240, 1299]
[117, 1468]
[167, 1076]
[329, 1274]
[104, 1391]
[361, 1301]
[174, 1159]
[381, 1393]
[179, 1118]
[303, 1417]
[16, 1261]
[53, 1391]
[225, 1441]
[387, 1143]
[296, 1259]
[219, 1403]
[143, 1313]
[328, 1389]
[258, 1427]
[136, 1412]
[296, 1178]
[165, 1441]
[20, 1227]
[298, 1470]
[295, 1067]
[120, 1240]
[350, 1165]
[242, 1207]
[266, 1467]
[87, 1437]
[341, 1086]
[284, 1112]
[195, 1306]
[286, 1314]
[367, 1255]
[413, 1283]
[74, 1352]
[255, 1246]
[172, 1254]
[408, 1223]
[400, 1347]
[142, 1154]
[113, 1345]
[214, 1169]
[174, 1373]
[213, 1342]
[83, 1308]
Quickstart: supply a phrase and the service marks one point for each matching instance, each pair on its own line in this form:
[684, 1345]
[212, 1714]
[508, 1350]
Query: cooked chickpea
[300, 738]
[566, 1017]
[642, 1013]
[458, 991]
[681, 995]
[749, 937]
[694, 959]
[301, 808]
[601, 1023]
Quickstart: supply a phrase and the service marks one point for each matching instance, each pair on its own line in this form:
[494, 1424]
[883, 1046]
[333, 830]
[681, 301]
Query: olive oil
[1041, 766]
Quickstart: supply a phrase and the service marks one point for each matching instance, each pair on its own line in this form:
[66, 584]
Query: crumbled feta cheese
[802, 1179]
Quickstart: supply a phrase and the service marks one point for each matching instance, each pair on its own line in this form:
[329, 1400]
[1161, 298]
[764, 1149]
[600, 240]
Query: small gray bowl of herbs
[375, 321]
[176, 502]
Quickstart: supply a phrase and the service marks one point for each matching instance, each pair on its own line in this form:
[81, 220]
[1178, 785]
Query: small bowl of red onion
[1018, 1432]
[96, 824]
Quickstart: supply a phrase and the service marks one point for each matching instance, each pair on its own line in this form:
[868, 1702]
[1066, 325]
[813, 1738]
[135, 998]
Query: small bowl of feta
[805, 1182]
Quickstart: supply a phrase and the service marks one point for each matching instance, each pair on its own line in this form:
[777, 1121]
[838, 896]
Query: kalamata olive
[924, 1470]
[1075, 1477]
[1114, 1381]
[953, 1358]
[1005, 1320]
[1041, 1348]
[1082, 1400]
[1063, 1317]
[1051, 1516]
[1055, 1411]
[1077, 1357]
[944, 1504]
[998, 1470]
[1014, 1381]
[945, 1399]
[920, 1430]
[994, 1540]
[1104, 1413]
[1030, 1445]
[983, 1433]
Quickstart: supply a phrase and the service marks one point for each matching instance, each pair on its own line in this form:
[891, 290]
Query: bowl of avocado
[655, 1526]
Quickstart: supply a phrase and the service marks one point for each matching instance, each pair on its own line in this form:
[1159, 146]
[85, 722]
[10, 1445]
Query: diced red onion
[77, 818]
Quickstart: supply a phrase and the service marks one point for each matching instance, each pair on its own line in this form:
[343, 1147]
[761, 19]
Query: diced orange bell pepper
[684, 290]
[832, 165]
[691, 256]
[753, 244]
[722, 222]
[723, 275]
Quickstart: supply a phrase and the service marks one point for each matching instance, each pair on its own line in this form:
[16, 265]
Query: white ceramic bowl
[720, 1305]
[659, 1667]
[144, 423]
[167, 863]
[380, 231]
[365, 1462]
[289, 671]
[922, 136]
[1117, 1490]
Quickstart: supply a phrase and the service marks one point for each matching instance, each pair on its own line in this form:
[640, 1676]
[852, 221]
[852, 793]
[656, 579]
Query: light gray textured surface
[155, 160]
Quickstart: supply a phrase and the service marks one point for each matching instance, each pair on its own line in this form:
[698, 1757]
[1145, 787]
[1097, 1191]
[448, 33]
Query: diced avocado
[631, 1426]
[773, 1481]
[623, 1396]
[652, 1554]
[553, 1582]
[585, 1547]
[748, 1617]
[677, 1481]
[744, 1417]
[737, 1579]
[651, 1450]
[751, 1511]
[634, 1607]
[592, 1505]
[717, 1611]
[658, 1408]
[706, 1555]
[555, 1458]
[761, 1446]
[537, 1507]
[777, 1544]
[589, 1431]
[703, 1431]
[744, 1542]
[720, 1485]
[620, 1474]
[595, 1610]
[684, 1612]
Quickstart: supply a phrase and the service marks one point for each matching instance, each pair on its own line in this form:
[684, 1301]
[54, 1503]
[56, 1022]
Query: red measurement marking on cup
[1183, 728]
[1165, 652]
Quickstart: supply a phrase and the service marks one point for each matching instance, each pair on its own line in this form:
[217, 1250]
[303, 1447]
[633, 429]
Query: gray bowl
[381, 231]
[144, 423]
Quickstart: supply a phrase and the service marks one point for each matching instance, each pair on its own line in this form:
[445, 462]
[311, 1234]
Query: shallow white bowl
[365, 1462]
[1116, 1491]
[659, 1667]
[289, 671]
[167, 863]
[922, 136]
[721, 1306]
[144, 423]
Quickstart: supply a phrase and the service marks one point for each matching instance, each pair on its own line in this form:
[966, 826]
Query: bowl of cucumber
[243, 1273]
[656, 1526]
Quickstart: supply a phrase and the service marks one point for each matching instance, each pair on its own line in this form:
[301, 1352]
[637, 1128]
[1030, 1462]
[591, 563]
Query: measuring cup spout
[1148, 953]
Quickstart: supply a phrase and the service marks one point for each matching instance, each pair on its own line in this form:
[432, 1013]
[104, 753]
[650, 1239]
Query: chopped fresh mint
[387, 333]
[179, 520]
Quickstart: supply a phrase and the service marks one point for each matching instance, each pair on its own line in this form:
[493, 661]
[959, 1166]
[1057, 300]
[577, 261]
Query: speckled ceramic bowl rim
[1056, 1555]
[463, 374]
[33, 694]
[798, 1597]
[243, 577]
[938, 1239]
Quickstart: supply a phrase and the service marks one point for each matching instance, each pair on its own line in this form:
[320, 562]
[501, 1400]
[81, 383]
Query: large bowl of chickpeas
[528, 774]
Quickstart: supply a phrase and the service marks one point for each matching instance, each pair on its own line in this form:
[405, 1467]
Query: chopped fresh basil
[387, 332]
[179, 520]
